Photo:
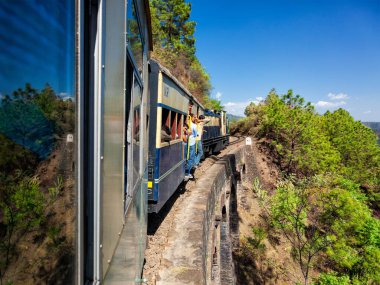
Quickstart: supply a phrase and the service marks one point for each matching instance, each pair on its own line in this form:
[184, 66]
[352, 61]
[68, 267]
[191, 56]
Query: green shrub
[332, 279]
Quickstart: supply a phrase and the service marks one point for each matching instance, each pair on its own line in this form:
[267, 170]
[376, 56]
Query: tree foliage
[357, 145]
[295, 135]
[326, 219]
[325, 205]
[172, 28]
[174, 45]
[294, 210]
[306, 143]
[213, 104]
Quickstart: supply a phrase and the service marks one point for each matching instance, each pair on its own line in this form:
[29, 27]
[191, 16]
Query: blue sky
[327, 51]
[37, 45]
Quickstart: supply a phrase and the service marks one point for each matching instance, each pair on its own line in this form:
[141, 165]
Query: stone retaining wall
[198, 249]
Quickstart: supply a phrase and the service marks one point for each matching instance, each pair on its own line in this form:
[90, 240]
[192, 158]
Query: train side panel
[215, 135]
[120, 200]
[169, 105]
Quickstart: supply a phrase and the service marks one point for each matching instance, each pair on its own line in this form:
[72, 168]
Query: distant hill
[375, 126]
[233, 118]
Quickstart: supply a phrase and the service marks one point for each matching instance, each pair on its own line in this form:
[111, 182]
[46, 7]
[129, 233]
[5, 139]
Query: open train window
[179, 125]
[165, 126]
[165, 117]
[133, 131]
[136, 124]
[173, 124]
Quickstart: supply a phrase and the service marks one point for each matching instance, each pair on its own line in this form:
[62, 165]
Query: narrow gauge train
[74, 132]
[169, 107]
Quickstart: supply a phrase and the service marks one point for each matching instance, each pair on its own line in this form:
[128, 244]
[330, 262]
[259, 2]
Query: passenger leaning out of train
[185, 140]
[190, 146]
[200, 122]
[185, 133]
[165, 134]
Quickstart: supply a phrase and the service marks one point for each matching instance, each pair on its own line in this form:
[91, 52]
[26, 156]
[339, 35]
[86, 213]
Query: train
[81, 109]
[169, 108]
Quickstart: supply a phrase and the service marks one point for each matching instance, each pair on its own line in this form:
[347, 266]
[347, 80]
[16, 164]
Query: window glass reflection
[37, 126]
[135, 42]
[137, 93]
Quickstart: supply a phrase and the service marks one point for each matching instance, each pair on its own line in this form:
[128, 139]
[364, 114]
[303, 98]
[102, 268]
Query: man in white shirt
[201, 121]
[190, 147]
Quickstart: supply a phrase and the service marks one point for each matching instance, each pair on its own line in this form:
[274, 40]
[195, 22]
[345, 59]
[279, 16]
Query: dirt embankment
[263, 256]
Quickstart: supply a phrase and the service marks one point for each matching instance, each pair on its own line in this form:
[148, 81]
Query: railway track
[236, 140]
[160, 224]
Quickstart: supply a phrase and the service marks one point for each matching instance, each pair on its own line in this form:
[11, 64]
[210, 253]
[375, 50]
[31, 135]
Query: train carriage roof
[176, 81]
[211, 113]
[166, 71]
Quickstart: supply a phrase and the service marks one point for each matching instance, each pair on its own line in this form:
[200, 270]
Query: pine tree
[174, 45]
[172, 28]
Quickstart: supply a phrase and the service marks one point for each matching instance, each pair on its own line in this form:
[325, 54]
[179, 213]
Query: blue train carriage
[168, 111]
[169, 107]
[215, 135]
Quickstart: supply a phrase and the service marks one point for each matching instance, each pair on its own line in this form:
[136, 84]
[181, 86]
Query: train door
[132, 134]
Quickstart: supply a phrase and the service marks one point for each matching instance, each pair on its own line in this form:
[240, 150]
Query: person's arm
[205, 121]
[165, 137]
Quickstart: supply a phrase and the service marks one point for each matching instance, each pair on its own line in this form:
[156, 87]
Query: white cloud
[218, 95]
[237, 108]
[65, 96]
[339, 96]
[367, 112]
[325, 104]
[333, 102]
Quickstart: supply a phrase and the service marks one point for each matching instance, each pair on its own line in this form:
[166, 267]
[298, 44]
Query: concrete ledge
[187, 256]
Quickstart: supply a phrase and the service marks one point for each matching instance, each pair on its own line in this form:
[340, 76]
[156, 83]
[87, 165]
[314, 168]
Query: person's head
[190, 106]
[185, 126]
[201, 117]
[193, 117]
[165, 128]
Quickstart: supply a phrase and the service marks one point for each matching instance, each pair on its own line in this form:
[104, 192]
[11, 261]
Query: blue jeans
[190, 161]
[198, 156]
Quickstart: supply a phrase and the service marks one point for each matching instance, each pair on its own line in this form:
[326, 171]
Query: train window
[134, 37]
[165, 126]
[37, 142]
[173, 125]
[166, 117]
[136, 125]
[137, 93]
[179, 125]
